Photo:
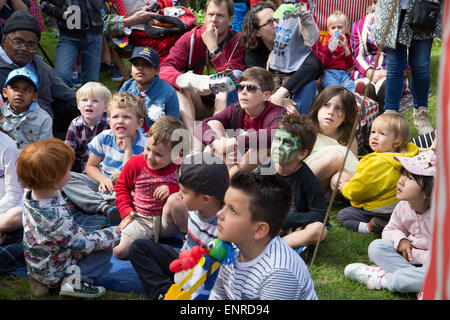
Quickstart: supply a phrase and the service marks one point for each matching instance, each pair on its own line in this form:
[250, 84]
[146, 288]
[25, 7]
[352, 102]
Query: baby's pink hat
[424, 164]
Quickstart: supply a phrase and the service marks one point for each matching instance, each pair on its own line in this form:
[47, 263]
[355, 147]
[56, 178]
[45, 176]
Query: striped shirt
[200, 230]
[104, 146]
[278, 273]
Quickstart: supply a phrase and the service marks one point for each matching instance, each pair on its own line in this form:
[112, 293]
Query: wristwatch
[215, 53]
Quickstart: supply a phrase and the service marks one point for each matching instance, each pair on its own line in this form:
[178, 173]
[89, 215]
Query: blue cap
[25, 74]
[146, 53]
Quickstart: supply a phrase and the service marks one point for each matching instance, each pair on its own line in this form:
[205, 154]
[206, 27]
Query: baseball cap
[424, 164]
[25, 74]
[205, 174]
[148, 54]
[22, 20]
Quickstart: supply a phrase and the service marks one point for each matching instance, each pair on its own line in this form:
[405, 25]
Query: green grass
[339, 249]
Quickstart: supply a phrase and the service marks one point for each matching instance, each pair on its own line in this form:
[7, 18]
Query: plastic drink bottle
[334, 41]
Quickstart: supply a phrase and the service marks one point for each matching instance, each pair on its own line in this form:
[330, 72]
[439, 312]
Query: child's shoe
[421, 121]
[224, 81]
[376, 225]
[86, 290]
[38, 289]
[370, 276]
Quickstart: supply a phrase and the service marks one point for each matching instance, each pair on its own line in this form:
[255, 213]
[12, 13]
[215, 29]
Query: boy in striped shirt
[266, 267]
[93, 192]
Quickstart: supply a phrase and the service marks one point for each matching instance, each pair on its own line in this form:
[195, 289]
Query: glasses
[19, 43]
[268, 24]
[251, 88]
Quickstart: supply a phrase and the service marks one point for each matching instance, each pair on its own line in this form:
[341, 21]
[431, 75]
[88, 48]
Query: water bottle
[334, 41]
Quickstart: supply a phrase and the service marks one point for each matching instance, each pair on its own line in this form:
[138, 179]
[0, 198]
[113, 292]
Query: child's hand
[105, 185]
[161, 193]
[289, 105]
[126, 221]
[405, 249]
[125, 143]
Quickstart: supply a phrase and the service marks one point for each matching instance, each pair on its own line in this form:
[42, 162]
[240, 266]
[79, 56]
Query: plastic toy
[196, 266]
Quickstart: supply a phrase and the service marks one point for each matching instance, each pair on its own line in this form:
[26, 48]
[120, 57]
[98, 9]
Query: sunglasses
[251, 88]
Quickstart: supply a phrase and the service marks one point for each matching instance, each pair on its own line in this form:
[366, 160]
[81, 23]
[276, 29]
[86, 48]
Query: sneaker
[370, 276]
[112, 214]
[390, 111]
[421, 121]
[38, 289]
[116, 75]
[376, 225]
[86, 290]
[2, 236]
[303, 252]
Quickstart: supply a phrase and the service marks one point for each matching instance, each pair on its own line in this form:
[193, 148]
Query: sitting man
[215, 45]
[20, 41]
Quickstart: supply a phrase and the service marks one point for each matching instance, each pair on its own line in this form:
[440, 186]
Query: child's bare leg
[326, 166]
[174, 217]
[345, 177]
[187, 109]
[306, 236]
[121, 250]
[11, 219]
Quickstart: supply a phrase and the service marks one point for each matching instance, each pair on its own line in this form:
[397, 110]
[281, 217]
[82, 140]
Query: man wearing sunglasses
[20, 42]
[214, 45]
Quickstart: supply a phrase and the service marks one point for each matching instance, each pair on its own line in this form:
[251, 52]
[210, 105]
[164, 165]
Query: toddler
[23, 118]
[93, 192]
[337, 62]
[333, 113]
[54, 245]
[402, 254]
[160, 98]
[145, 183]
[92, 99]
[372, 190]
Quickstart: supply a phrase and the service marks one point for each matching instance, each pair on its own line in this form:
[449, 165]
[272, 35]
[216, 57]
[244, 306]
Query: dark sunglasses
[251, 88]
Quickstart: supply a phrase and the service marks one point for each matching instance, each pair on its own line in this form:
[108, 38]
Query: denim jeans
[418, 57]
[305, 97]
[401, 276]
[94, 265]
[67, 53]
[334, 77]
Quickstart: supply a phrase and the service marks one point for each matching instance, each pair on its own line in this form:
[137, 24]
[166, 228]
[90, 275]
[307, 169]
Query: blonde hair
[399, 126]
[162, 130]
[338, 16]
[42, 164]
[124, 100]
[94, 90]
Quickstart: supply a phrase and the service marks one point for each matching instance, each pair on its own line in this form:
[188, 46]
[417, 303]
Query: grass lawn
[339, 249]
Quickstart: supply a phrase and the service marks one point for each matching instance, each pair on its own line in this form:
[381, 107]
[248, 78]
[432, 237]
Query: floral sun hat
[424, 164]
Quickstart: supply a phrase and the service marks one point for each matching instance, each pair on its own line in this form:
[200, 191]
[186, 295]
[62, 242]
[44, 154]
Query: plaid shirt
[79, 135]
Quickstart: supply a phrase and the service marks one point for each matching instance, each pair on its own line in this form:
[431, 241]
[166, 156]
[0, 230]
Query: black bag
[424, 15]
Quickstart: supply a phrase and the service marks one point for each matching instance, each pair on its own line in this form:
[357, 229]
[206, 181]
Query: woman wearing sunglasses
[241, 133]
[300, 70]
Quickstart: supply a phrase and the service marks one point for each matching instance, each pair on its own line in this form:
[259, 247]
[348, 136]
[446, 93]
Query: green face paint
[285, 147]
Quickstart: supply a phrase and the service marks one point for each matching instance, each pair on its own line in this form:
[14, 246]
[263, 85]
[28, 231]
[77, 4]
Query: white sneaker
[421, 121]
[86, 290]
[370, 276]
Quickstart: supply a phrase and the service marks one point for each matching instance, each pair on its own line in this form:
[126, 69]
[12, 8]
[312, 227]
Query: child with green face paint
[293, 141]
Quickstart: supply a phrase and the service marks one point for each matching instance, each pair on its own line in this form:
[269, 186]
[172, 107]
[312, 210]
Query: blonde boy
[93, 192]
[145, 183]
[92, 99]
[337, 62]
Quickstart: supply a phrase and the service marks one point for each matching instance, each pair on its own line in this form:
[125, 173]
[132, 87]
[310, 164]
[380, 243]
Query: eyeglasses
[268, 24]
[19, 43]
[251, 88]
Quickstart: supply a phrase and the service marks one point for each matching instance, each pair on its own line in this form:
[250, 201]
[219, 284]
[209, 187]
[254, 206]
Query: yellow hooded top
[374, 184]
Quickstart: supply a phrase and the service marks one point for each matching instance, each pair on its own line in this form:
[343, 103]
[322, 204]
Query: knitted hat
[22, 20]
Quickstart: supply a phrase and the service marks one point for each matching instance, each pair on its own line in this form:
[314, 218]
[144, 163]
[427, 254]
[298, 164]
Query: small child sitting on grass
[293, 141]
[144, 185]
[266, 267]
[92, 99]
[54, 245]
[23, 119]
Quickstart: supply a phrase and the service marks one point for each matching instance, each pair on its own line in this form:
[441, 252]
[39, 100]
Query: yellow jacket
[374, 184]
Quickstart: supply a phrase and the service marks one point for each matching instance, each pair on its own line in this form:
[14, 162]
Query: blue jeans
[94, 265]
[305, 97]
[67, 54]
[401, 276]
[418, 57]
[334, 77]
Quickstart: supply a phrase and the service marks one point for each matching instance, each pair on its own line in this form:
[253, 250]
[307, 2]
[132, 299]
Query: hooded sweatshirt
[374, 185]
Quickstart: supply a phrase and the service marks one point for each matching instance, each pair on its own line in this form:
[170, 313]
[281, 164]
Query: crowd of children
[255, 175]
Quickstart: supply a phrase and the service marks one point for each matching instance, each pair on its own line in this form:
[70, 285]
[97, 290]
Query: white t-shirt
[278, 273]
